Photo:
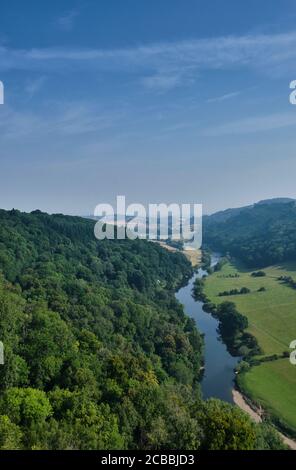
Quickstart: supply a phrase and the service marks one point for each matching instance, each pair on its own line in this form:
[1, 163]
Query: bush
[258, 274]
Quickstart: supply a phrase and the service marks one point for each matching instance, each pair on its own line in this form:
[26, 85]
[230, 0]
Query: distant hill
[221, 216]
[276, 200]
[261, 234]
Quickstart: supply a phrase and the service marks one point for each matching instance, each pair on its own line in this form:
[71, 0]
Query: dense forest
[98, 352]
[260, 235]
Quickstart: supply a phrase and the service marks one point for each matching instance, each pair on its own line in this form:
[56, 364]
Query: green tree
[25, 405]
[10, 434]
[225, 427]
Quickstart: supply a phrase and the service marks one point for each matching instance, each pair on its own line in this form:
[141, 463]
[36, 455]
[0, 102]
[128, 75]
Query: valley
[270, 306]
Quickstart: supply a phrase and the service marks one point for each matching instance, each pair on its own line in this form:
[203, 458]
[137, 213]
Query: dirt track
[239, 400]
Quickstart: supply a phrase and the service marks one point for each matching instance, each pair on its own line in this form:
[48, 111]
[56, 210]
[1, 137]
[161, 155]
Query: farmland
[271, 314]
[273, 385]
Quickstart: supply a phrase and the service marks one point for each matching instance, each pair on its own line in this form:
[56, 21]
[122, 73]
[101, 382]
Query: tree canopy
[98, 352]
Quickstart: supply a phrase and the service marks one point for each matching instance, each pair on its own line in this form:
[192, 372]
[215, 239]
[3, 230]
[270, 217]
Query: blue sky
[159, 100]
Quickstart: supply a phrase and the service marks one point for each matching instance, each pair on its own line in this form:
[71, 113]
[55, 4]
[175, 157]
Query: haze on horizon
[160, 101]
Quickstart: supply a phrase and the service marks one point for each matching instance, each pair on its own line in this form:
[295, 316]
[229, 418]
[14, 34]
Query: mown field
[273, 385]
[271, 314]
[272, 320]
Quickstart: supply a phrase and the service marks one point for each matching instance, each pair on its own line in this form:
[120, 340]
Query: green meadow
[273, 385]
[272, 320]
[271, 314]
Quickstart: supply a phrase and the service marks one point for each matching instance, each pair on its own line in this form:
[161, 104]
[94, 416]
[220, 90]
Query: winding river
[218, 376]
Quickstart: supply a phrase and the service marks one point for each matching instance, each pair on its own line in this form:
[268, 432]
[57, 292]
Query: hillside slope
[98, 352]
[260, 235]
[94, 329]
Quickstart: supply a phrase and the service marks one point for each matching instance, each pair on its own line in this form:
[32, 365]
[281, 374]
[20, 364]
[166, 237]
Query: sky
[160, 101]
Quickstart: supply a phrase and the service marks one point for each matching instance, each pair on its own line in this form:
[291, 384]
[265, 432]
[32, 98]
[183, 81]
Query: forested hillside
[259, 235]
[98, 353]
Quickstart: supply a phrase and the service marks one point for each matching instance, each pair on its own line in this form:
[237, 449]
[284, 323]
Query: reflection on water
[219, 364]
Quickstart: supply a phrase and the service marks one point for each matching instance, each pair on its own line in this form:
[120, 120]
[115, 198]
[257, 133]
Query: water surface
[219, 364]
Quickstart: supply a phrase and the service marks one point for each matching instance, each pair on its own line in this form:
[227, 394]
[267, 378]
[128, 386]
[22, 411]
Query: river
[218, 379]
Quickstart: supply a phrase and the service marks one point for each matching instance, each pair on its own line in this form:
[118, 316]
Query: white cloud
[32, 86]
[225, 97]
[166, 65]
[63, 120]
[163, 81]
[67, 21]
[253, 124]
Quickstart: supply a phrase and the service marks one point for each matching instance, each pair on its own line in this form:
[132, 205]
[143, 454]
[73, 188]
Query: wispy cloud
[226, 96]
[63, 120]
[32, 86]
[253, 124]
[166, 65]
[165, 81]
[67, 21]
[208, 53]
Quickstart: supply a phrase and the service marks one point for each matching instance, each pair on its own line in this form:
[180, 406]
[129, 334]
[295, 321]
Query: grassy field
[273, 385]
[272, 320]
[271, 314]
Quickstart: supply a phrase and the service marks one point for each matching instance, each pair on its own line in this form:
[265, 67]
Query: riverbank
[256, 416]
[269, 307]
[219, 365]
[218, 378]
[240, 401]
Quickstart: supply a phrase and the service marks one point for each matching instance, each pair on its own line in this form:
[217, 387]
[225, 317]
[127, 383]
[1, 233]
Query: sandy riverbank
[239, 400]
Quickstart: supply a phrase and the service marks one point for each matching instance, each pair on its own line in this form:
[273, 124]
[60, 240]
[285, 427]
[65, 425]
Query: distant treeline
[243, 290]
[259, 235]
